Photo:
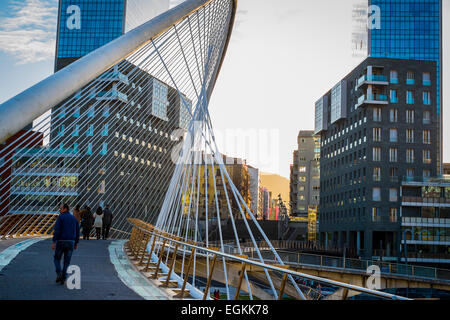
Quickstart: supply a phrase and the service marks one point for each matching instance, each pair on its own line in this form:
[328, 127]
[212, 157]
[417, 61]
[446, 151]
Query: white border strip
[11, 252]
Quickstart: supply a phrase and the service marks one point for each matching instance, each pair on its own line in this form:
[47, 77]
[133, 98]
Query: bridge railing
[386, 268]
[145, 236]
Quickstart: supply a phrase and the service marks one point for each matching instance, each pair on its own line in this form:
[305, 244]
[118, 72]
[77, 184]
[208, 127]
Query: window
[90, 131]
[394, 96]
[393, 174]
[377, 154]
[393, 195]
[426, 173]
[393, 214]
[377, 134]
[61, 131]
[394, 76]
[409, 97]
[393, 135]
[76, 131]
[89, 149]
[105, 131]
[377, 114]
[106, 111]
[377, 174]
[410, 173]
[104, 151]
[302, 169]
[393, 155]
[426, 136]
[62, 113]
[301, 197]
[376, 214]
[409, 136]
[76, 113]
[410, 156]
[426, 156]
[426, 79]
[426, 98]
[410, 116]
[393, 115]
[376, 194]
[91, 112]
[410, 77]
[426, 117]
[302, 179]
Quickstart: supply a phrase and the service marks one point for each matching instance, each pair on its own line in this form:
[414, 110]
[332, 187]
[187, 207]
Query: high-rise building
[125, 138]
[305, 175]
[377, 125]
[411, 30]
[86, 25]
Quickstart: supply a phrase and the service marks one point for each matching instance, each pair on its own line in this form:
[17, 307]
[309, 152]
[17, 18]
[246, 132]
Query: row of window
[410, 97]
[393, 155]
[393, 135]
[411, 78]
[393, 116]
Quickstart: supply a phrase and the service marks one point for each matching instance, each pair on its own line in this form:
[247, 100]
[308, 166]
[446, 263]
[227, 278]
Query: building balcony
[375, 79]
[112, 95]
[426, 82]
[425, 202]
[410, 81]
[379, 99]
[114, 77]
[425, 222]
[43, 190]
[33, 209]
[45, 171]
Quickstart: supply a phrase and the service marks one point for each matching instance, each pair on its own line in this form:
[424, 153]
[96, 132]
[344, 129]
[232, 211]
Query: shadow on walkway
[31, 275]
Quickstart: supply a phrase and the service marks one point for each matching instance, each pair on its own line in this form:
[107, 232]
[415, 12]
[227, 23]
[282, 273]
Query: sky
[283, 56]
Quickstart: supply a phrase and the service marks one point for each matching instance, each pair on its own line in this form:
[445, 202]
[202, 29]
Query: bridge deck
[31, 276]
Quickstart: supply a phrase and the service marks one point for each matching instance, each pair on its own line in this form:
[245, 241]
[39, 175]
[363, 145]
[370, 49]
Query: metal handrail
[275, 268]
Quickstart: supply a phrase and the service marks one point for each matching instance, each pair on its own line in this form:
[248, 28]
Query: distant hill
[278, 185]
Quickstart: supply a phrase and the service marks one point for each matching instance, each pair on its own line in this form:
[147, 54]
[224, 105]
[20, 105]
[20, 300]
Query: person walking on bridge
[87, 222]
[98, 222]
[107, 221]
[65, 239]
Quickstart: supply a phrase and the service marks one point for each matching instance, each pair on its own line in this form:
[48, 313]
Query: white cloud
[29, 33]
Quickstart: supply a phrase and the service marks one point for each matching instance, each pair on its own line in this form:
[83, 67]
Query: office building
[378, 124]
[412, 30]
[305, 175]
[86, 25]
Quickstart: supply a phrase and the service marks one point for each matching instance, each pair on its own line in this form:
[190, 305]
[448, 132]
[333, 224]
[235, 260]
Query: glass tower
[86, 25]
[411, 29]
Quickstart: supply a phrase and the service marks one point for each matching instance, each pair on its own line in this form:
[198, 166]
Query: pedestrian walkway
[30, 275]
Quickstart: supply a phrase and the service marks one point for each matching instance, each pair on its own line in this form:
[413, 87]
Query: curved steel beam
[27, 106]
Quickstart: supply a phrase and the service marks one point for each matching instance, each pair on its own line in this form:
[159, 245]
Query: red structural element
[22, 140]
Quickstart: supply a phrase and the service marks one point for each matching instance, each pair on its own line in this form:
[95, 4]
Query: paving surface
[31, 275]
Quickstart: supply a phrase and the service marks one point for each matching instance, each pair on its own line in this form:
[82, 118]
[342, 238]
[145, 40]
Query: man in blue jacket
[65, 239]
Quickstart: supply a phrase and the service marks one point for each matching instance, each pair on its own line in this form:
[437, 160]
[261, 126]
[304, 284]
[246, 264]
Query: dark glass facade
[80, 32]
[410, 29]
